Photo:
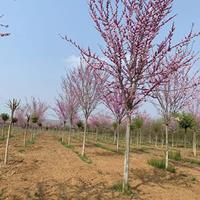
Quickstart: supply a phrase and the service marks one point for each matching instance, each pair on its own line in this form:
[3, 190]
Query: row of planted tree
[134, 65]
[183, 132]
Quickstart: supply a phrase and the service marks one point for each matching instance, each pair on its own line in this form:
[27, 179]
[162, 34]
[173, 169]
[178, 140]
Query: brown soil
[47, 170]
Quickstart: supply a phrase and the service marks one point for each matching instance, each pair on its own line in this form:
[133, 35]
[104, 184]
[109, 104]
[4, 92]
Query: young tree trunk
[32, 135]
[156, 141]
[162, 139]
[2, 131]
[167, 147]
[194, 145]
[126, 157]
[63, 135]
[137, 139]
[150, 138]
[70, 131]
[172, 140]
[140, 134]
[25, 134]
[131, 137]
[69, 137]
[115, 136]
[84, 138]
[118, 126]
[96, 135]
[7, 144]
[185, 139]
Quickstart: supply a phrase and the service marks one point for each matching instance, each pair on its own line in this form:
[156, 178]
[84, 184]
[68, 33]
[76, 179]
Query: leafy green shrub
[175, 155]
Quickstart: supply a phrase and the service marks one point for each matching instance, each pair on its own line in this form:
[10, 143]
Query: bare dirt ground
[47, 170]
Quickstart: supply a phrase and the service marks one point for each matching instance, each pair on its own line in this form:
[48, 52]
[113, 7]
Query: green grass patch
[69, 146]
[107, 148]
[175, 155]
[193, 179]
[30, 142]
[84, 158]
[160, 164]
[118, 187]
[2, 139]
[171, 169]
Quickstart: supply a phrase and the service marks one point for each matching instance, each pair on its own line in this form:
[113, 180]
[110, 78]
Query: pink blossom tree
[177, 91]
[173, 126]
[60, 109]
[38, 109]
[13, 105]
[99, 120]
[70, 98]
[139, 121]
[87, 88]
[23, 115]
[133, 53]
[112, 98]
[194, 108]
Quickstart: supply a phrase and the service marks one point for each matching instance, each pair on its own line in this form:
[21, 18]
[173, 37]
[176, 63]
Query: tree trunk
[156, 141]
[32, 136]
[150, 138]
[62, 138]
[70, 130]
[185, 139]
[167, 148]
[69, 137]
[7, 144]
[137, 139]
[25, 133]
[162, 139]
[126, 156]
[2, 131]
[194, 145]
[96, 135]
[140, 134]
[84, 138]
[115, 136]
[172, 140]
[117, 132]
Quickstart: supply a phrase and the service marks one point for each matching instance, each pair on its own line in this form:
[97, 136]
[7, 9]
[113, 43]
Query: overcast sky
[33, 57]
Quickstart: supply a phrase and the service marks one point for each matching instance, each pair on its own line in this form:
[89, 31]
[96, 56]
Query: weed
[118, 187]
[175, 155]
[29, 142]
[193, 178]
[83, 158]
[107, 148]
[160, 164]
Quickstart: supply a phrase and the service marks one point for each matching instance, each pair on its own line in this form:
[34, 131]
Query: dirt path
[47, 170]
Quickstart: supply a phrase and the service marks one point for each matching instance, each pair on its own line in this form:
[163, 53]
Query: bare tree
[13, 105]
